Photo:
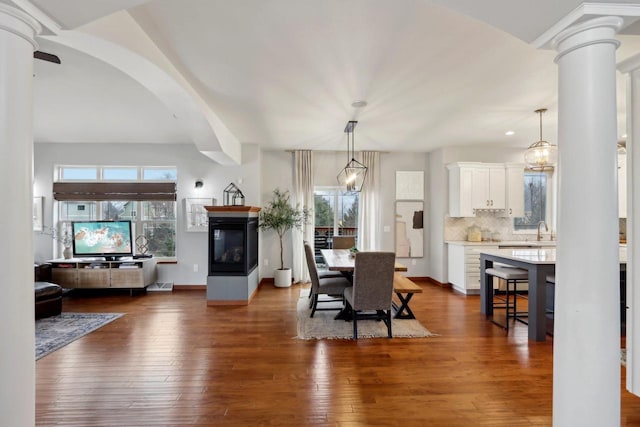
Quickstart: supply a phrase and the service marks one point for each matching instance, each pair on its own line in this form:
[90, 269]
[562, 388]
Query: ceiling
[284, 73]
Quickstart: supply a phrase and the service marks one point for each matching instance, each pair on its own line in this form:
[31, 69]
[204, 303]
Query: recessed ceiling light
[509, 133]
[359, 104]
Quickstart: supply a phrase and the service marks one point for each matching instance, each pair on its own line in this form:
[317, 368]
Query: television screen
[111, 239]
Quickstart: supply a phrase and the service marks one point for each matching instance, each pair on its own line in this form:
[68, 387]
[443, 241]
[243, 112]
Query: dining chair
[323, 274]
[372, 291]
[343, 242]
[333, 287]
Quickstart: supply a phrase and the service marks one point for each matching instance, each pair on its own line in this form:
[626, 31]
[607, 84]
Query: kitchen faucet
[546, 228]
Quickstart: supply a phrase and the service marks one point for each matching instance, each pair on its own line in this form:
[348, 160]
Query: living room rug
[55, 332]
[324, 326]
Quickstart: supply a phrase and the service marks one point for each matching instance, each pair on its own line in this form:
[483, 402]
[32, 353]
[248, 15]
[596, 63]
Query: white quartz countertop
[536, 256]
[505, 243]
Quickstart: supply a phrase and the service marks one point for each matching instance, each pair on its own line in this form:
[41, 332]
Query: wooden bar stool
[512, 276]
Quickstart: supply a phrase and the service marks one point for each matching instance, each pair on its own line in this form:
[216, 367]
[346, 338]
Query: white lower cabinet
[464, 267]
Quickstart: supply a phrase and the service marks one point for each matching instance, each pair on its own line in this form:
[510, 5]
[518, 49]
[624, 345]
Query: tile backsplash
[456, 228]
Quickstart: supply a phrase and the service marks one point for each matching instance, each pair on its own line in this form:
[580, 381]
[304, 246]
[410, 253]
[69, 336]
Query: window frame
[337, 193]
[139, 221]
[550, 207]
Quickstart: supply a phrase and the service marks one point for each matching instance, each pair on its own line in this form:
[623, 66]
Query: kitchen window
[537, 206]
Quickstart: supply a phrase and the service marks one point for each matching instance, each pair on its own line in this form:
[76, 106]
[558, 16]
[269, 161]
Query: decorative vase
[67, 253]
[282, 278]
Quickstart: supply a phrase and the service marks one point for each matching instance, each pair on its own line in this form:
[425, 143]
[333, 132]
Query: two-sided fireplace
[233, 254]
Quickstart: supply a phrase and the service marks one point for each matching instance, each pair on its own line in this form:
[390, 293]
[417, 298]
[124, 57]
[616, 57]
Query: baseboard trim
[189, 287]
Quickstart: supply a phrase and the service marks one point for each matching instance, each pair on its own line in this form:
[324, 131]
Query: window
[536, 195]
[153, 219]
[335, 211]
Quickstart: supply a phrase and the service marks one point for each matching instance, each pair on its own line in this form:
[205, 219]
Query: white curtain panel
[303, 197]
[369, 219]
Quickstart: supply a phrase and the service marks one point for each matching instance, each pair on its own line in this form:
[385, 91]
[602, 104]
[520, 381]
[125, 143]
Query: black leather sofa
[48, 296]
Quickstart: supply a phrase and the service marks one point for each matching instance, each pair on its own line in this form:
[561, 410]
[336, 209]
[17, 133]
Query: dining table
[344, 261]
[539, 263]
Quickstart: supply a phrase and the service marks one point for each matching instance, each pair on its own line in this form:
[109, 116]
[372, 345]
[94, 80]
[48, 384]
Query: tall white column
[17, 334]
[632, 67]
[586, 362]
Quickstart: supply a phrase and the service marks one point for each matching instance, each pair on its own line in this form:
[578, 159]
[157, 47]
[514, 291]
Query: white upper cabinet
[461, 190]
[489, 186]
[514, 190]
[477, 186]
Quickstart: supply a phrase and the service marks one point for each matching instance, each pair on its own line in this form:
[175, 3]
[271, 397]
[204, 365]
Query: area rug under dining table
[323, 325]
[55, 332]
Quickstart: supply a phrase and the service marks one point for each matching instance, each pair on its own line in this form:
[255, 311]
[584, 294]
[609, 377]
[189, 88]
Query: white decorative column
[632, 67]
[17, 334]
[586, 362]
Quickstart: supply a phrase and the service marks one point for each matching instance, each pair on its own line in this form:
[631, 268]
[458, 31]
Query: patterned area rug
[55, 332]
[323, 325]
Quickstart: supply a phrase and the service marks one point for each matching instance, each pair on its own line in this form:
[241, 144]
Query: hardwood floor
[173, 361]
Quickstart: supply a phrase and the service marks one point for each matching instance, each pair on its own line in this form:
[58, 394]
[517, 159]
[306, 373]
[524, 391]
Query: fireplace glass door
[231, 246]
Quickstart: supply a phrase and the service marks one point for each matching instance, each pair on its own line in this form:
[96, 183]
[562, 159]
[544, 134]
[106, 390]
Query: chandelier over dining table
[353, 174]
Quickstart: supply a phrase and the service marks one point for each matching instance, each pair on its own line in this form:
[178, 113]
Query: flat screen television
[108, 239]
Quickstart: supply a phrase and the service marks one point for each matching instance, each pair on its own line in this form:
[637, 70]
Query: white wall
[191, 248]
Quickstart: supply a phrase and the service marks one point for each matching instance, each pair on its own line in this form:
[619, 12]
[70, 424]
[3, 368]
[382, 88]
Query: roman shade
[97, 191]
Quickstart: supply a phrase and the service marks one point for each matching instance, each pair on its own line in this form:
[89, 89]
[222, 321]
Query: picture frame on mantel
[195, 215]
[409, 185]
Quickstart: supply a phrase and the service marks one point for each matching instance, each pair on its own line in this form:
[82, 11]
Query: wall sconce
[199, 184]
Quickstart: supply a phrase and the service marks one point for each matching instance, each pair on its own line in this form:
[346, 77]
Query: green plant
[280, 216]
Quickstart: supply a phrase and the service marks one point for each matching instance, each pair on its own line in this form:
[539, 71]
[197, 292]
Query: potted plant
[278, 215]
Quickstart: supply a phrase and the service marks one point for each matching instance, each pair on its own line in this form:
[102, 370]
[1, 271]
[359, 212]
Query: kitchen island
[538, 263]
[463, 260]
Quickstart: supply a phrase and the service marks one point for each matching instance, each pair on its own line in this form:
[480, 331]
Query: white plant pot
[282, 278]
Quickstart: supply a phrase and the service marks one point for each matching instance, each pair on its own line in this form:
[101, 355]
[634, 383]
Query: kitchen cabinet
[489, 186]
[477, 186]
[514, 190]
[461, 189]
[463, 266]
[622, 185]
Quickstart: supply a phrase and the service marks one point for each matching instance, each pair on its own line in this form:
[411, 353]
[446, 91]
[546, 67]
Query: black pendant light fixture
[353, 174]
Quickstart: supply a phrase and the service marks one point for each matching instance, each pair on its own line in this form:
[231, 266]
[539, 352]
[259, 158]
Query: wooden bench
[404, 289]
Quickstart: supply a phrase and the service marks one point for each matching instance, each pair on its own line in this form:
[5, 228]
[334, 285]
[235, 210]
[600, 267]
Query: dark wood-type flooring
[173, 361]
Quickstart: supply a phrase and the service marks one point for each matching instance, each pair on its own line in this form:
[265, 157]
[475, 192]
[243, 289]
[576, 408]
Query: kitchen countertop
[510, 243]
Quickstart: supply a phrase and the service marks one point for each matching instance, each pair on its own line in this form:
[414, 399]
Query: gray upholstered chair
[331, 286]
[370, 296]
[343, 242]
[323, 274]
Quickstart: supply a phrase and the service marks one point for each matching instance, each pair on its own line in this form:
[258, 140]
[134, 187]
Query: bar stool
[512, 276]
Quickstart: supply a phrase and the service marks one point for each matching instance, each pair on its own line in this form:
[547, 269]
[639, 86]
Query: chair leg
[388, 322]
[314, 301]
[355, 325]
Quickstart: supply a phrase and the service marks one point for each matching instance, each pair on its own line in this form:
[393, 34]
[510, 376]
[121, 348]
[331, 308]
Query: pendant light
[353, 174]
[541, 155]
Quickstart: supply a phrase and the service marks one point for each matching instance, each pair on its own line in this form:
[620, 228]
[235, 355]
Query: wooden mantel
[232, 208]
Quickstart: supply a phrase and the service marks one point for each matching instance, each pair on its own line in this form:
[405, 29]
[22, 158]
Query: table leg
[486, 286]
[403, 311]
[537, 301]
